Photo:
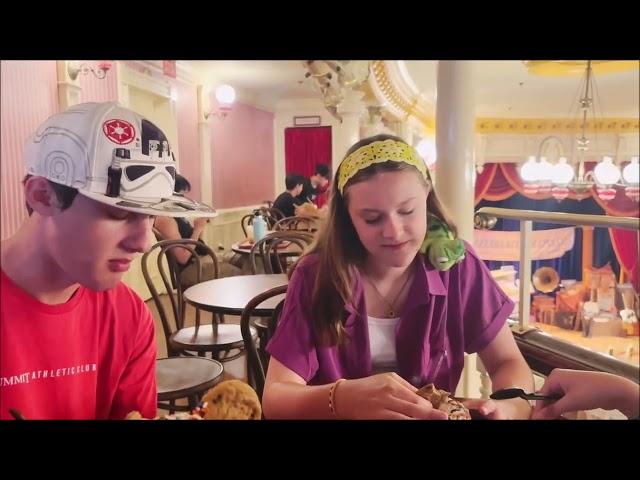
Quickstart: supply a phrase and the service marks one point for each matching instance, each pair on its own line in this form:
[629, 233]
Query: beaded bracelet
[332, 397]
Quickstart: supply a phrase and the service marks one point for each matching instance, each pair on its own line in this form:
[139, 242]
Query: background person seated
[177, 228]
[314, 184]
[286, 201]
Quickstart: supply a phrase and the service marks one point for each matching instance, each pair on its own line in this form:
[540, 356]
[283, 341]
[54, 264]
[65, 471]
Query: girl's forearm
[283, 400]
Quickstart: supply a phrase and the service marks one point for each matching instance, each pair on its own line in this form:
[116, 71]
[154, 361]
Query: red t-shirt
[92, 357]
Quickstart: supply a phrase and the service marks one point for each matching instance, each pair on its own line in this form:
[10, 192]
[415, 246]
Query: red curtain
[625, 244]
[500, 188]
[484, 181]
[620, 205]
[305, 147]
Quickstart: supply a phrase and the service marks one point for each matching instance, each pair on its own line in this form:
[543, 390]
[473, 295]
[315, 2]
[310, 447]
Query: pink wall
[29, 96]
[98, 90]
[188, 141]
[242, 157]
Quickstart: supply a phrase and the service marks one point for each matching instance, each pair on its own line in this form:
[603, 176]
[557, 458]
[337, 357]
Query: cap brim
[174, 206]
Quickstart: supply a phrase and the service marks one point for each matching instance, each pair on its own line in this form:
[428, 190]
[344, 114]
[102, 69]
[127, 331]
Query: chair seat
[223, 337]
[261, 323]
[179, 377]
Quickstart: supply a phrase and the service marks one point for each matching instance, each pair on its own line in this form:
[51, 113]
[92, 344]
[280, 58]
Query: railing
[543, 352]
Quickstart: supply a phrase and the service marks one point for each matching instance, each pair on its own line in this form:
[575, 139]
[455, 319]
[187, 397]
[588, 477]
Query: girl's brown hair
[339, 248]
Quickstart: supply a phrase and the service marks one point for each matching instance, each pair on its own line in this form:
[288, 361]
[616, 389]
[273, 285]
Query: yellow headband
[379, 152]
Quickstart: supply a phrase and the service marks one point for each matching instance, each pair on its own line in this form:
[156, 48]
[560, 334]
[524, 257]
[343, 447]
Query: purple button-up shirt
[445, 314]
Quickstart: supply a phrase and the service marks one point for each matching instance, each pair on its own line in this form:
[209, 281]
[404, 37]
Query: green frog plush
[440, 245]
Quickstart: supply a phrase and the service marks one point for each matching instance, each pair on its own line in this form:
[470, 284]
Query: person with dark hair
[368, 319]
[76, 342]
[175, 228]
[286, 201]
[312, 185]
[182, 184]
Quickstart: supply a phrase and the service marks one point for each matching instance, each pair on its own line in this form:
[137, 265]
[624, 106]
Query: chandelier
[333, 78]
[561, 178]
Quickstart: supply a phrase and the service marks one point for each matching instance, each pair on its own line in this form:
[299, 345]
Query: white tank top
[382, 343]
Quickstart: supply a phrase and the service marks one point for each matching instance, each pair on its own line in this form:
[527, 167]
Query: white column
[206, 183]
[68, 89]
[455, 121]
[348, 132]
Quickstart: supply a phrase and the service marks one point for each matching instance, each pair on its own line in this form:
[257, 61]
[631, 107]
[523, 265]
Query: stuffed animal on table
[440, 245]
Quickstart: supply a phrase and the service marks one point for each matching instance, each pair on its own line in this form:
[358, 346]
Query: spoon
[507, 393]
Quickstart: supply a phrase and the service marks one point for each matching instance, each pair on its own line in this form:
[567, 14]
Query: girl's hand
[516, 409]
[383, 396]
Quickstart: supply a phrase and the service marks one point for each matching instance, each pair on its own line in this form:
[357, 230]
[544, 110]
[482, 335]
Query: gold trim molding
[557, 125]
[392, 96]
[486, 125]
[570, 68]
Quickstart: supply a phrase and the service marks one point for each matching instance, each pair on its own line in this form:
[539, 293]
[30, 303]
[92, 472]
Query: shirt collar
[427, 279]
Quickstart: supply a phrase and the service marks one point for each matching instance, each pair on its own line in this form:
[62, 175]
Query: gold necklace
[391, 313]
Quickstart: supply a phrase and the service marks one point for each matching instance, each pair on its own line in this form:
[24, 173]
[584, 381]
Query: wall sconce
[225, 95]
[75, 68]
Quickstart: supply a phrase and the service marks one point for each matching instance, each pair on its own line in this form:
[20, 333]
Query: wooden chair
[270, 250]
[245, 222]
[219, 339]
[271, 216]
[257, 357]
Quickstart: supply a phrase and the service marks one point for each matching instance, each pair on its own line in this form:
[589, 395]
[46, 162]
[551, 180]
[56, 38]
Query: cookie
[232, 400]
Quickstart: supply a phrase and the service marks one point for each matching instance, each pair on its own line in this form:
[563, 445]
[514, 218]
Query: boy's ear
[41, 197]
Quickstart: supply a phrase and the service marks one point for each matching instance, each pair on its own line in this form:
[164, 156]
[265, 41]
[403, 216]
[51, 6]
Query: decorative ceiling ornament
[331, 79]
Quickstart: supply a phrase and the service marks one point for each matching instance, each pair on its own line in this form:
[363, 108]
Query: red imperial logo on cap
[119, 131]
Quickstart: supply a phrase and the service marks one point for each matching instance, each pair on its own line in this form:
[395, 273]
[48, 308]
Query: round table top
[290, 250]
[230, 295]
[180, 376]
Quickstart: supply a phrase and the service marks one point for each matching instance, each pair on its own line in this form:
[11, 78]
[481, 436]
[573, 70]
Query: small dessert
[442, 400]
